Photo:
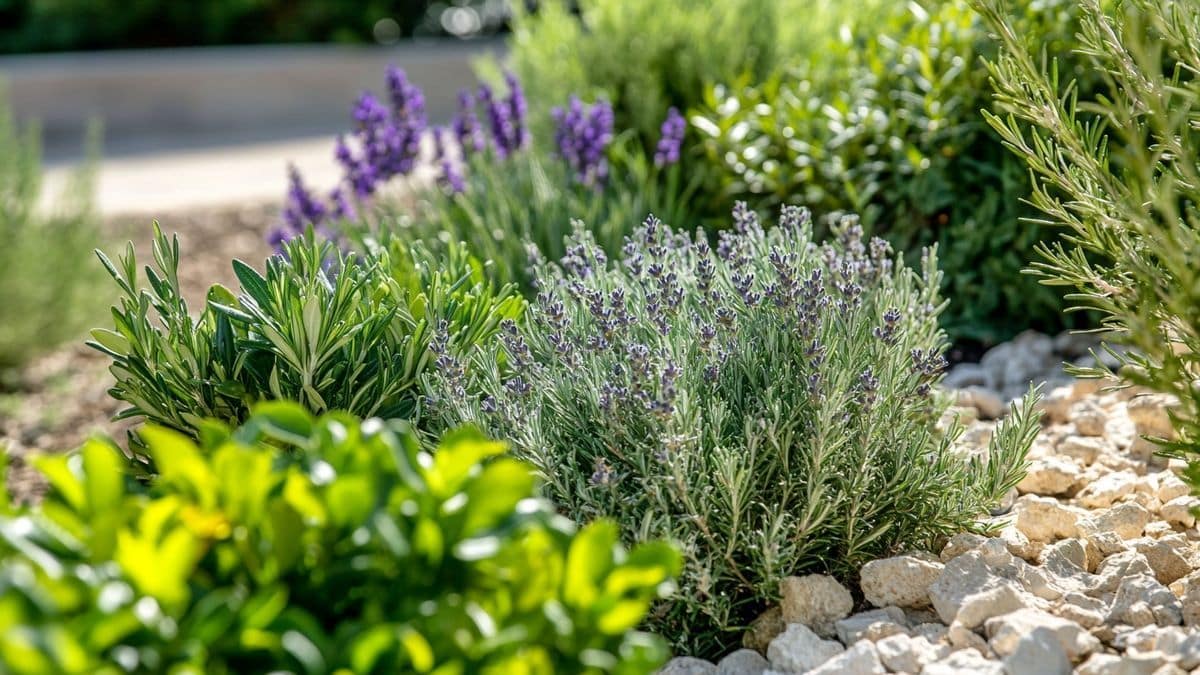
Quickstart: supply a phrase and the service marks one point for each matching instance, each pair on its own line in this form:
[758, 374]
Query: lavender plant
[769, 405]
[328, 330]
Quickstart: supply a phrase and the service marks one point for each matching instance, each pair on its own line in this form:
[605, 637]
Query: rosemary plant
[769, 405]
[1119, 171]
[332, 331]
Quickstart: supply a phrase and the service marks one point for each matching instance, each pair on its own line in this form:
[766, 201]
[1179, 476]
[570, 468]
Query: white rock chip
[1166, 561]
[1150, 416]
[964, 661]
[1045, 518]
[1038, 653]
[1005, 632]
[686, 665]
[1127, 520]
[1052, 475]
[860, 659]
[1089, 418]
[799, 650]
[743, 662]
[904, 654]
[996, 601]
[1180, 511]
[816, 601]
[1101, 493]
[902, 581]
[1141, 600]
[986, 402]
[873, 625]
[1086, 450]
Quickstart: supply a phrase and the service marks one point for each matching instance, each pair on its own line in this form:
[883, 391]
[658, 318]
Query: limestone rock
[743, 662]
[798, 649]
[686, 665]
[996, 601]
[1086, 450]
[1187, 590]
[904, 654]
[1089, 417]
[816, 601]
[1180, 511]
[1053, 475]
[860, 659]
[986, 402]
[1141, 600]
[964, 661]
[960, 544]
[1005, 632]
[873, 625]
[1109, 488]
[1045, 519]
[1164, 559]
[763, 629]
[1038, 653]
[901, 581]
[1150, 416]
[1127, 520]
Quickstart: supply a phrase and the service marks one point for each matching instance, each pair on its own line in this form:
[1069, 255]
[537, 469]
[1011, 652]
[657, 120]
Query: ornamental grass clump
[1119, 170]
[329, 330]
[769, 404]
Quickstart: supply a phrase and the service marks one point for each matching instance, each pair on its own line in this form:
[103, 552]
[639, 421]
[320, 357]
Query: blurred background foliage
[63, 25]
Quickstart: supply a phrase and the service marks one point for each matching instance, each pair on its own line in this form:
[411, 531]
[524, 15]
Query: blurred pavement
[216, 126]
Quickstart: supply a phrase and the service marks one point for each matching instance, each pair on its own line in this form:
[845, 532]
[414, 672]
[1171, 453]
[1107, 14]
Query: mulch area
[61, 398]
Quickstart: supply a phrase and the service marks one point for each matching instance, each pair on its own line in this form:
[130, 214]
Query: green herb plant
[1118, 169]
[329, 330]
[316, 545]
[768, 403]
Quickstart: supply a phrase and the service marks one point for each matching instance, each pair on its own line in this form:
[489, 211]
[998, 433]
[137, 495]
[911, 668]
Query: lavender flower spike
[451, 177]
[300, 208]
[582, 138]
[671, 141]
[466, 125]
[518, 109]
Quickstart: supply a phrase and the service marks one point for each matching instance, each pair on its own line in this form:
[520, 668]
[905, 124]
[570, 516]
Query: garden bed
[62, 398]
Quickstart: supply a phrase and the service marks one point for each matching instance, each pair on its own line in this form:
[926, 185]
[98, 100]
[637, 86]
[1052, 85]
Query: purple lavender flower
[466, 125]
[340, 206]
[582, 137]
[451, 177]
[300, 208]
[671, 141]
[506, 117]
[518, 109]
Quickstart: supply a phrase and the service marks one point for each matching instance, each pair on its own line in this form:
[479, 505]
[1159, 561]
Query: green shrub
[314, 546]
[332, 331]
[48, 278]
[531, 198]
[1119, 170]
[883, 120]
[768, 406]
[648, 56]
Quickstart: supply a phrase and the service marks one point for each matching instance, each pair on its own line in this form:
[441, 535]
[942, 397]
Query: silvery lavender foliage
[670, 141]
[767, 402]
[582, 136]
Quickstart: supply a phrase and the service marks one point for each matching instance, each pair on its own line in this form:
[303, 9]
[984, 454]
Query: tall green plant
[1119, 169]
[332, 331]
[767, 404]
[882, 119]
[48, 279]
[326, 545]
